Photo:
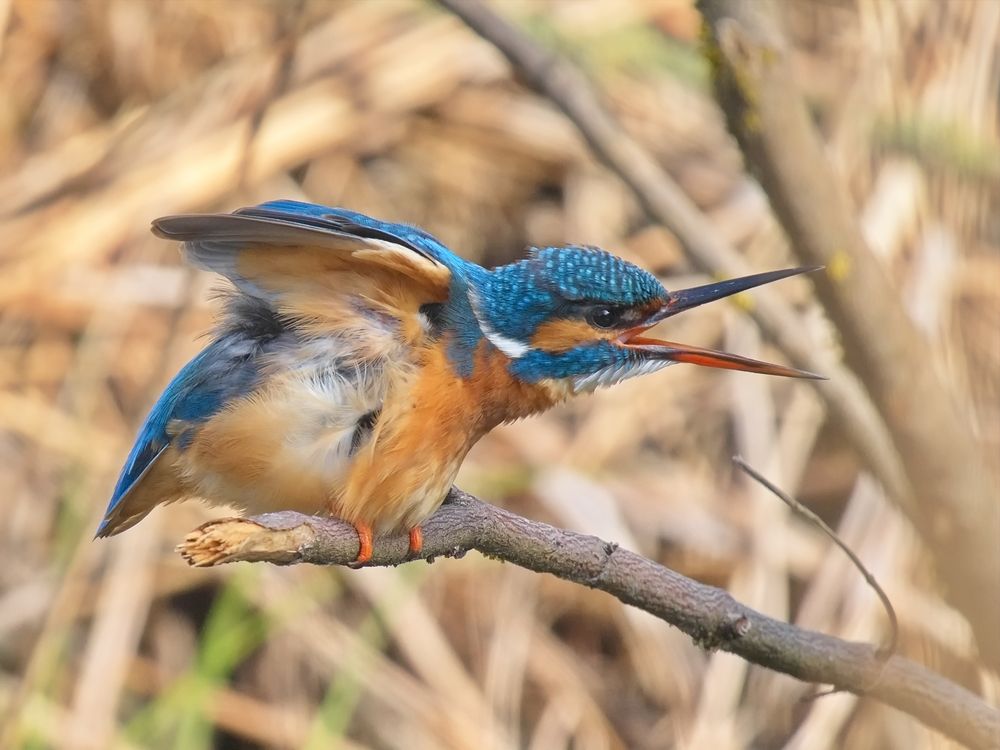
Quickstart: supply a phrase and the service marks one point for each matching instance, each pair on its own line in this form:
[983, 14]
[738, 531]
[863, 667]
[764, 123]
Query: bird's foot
[364, 545]
[416, 542]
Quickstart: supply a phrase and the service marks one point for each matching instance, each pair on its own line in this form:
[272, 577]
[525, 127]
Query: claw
[416, 541]
[364, 545]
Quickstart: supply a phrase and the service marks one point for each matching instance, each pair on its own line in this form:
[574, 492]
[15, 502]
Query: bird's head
[577, 315]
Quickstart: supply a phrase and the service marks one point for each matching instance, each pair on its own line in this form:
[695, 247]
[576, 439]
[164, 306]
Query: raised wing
[287, 247]
[312, 282]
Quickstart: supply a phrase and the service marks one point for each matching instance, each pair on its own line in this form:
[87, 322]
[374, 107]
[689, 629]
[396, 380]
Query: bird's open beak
[685, 299]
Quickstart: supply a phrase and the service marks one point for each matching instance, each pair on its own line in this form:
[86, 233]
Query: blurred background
[113, 112]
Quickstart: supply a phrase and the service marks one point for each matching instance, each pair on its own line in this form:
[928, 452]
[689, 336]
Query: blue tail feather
[221, 372]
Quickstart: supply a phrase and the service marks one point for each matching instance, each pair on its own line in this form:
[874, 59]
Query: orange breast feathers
[430, 420]
[376, 442]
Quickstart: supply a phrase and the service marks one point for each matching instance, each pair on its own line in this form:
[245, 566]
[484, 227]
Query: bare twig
[708, 614]
[890, 648]
[953, 505]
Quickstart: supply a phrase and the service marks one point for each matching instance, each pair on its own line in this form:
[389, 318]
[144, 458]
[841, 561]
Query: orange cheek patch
[563, 334]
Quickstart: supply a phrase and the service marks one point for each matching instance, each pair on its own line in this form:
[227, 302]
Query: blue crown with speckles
[518, 297]
[589, 273]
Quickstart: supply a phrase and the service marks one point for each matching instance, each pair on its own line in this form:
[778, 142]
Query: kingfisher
[356, 361]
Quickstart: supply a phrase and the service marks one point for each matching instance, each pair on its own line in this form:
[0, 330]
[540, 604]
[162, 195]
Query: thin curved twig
[889, 648]
[709, 615]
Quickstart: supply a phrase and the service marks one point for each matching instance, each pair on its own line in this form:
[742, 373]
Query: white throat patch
[511, 347]
[613, 374]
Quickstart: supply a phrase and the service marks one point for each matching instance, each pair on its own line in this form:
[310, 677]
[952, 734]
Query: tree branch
[708, 614]
[911, 415]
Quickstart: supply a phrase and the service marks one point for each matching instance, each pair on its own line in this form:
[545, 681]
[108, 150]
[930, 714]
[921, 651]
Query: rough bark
[709, 615]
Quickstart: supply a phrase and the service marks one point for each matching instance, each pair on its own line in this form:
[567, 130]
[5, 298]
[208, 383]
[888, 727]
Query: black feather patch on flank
[251, 317]
[363, 430]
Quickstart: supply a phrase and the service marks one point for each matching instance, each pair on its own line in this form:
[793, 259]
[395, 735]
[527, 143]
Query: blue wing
[241, 247]
[341, 220]
[218, 374]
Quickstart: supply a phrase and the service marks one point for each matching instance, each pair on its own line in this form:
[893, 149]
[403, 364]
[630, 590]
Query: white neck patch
[511, 347]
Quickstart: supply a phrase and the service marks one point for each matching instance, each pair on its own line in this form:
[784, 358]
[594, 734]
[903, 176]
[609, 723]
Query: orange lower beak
[685, 299]
[696, 355]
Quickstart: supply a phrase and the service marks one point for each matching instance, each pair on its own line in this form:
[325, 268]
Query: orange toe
[364, 544]
[416, 541]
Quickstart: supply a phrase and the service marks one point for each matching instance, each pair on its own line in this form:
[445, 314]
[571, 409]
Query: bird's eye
[604, 317]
